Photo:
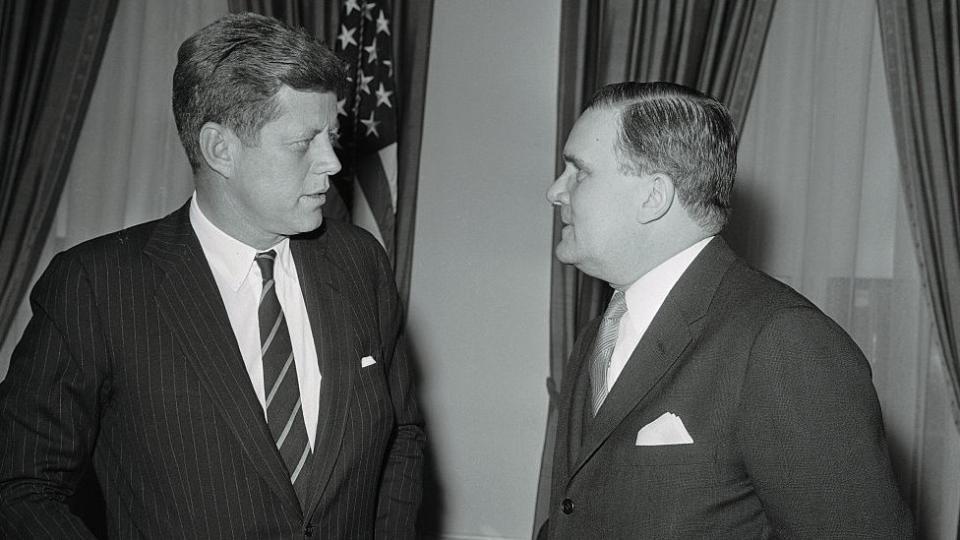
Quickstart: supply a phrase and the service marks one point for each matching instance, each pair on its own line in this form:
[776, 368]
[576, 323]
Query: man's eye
[581, 175]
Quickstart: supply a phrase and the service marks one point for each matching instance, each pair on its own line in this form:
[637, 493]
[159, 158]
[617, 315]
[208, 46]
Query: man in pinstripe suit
[235, 369]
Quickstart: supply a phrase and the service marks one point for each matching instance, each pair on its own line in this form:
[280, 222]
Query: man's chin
[310, 224]
[565, 254]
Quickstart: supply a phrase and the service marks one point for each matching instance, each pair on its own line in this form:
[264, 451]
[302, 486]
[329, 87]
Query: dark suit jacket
[130, 356]
[788, 438]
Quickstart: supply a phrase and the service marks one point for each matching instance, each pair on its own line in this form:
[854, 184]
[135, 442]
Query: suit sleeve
[812, 437]
[402, 479]
[49, 404]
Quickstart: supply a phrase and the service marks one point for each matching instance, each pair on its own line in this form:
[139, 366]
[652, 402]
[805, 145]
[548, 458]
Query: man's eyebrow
[577, 162]
[310, 133]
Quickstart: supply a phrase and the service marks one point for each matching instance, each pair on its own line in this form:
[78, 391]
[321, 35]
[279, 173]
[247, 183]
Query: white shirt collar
[646, 295]
[228, 256]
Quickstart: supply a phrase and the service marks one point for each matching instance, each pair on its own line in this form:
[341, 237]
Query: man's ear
[218, 144]
[657, 198]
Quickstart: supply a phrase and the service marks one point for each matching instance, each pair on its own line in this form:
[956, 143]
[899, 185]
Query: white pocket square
[667, 429]
[367, 361]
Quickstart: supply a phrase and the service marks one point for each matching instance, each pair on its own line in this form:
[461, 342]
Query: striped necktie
[603, 348]
[284, 410]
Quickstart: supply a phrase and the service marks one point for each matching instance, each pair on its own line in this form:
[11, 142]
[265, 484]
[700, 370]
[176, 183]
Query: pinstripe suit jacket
[787, 436]
[130, 356]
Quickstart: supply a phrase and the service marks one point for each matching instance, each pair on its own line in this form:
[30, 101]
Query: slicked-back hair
[230, 71]
[678, 131]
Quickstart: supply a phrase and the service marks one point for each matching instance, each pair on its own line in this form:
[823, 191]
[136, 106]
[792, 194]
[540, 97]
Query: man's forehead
[600, 116]
[307, 108]
[306, 98]
[593, 126]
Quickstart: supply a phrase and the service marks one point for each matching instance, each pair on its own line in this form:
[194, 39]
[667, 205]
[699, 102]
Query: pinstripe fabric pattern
[130, 355]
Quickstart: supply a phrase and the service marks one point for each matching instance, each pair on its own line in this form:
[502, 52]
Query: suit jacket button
[567, 506]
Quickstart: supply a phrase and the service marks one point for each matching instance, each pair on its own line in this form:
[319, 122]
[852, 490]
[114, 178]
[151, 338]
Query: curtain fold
[921, 44]
[318, 18]
[413, 20]
[712, 45]
[410, 24]
[819, 204]
[50, 53]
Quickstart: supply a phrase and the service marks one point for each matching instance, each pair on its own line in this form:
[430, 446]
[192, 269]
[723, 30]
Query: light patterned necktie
[603, 349]
[284, 410]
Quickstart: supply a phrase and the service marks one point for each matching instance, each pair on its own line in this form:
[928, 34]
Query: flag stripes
[367, 146]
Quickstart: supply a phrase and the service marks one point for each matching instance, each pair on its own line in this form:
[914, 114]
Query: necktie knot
[617, 306]
[265, 261]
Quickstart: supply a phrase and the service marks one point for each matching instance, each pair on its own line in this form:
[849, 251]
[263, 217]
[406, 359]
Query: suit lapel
[577, 398]
[333, 324]
[675, 326]
[569, 422]
[190, 304]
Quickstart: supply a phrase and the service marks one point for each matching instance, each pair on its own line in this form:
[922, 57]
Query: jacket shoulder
[757, 291]
[129, 240]
[342, 233]
[347, 241]
[765, 310]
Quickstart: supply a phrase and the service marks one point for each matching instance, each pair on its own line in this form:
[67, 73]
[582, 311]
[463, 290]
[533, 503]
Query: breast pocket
[671, 454]
[622, 443]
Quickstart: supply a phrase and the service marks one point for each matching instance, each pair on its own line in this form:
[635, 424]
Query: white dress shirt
[240, 283]
[644, 298]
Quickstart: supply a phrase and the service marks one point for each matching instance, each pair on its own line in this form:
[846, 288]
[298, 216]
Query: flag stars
[371, 52]
[389, 64]
[371, 125]
[351, 5]
[368, 10]
[382, 24]
[383, 96]
[346, 37]
[364, 83]
[342, 107]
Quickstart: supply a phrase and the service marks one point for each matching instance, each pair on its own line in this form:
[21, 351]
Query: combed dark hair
[683, 133]
[230, 71]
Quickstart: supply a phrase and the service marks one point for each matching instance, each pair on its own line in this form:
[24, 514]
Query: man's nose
[325, 160]
[556, 194]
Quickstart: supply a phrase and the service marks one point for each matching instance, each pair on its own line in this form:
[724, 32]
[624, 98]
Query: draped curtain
[317, 18]
[49, 56]
[818, 204]
[129, 165]
[921, 41]
[411, 21]
[711, 45]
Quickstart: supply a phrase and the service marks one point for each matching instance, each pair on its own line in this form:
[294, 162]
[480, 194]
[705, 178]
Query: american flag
[368, 117]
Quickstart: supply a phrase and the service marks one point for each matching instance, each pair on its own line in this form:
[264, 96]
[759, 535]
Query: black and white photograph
[480, 269]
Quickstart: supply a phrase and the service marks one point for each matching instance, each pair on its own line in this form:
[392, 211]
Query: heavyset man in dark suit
[235, 369]
[709, 401]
